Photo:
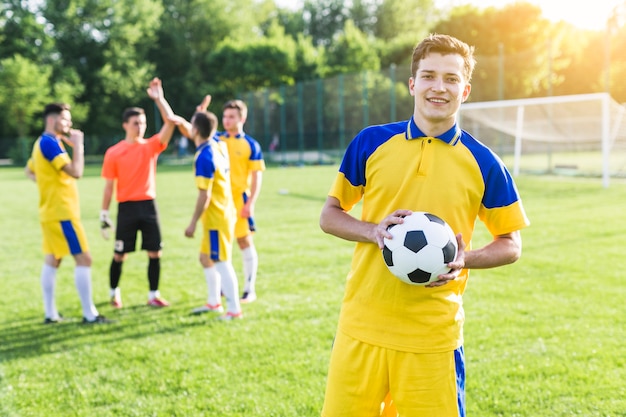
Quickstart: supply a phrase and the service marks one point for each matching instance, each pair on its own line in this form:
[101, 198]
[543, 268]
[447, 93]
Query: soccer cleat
[231, 316]
[208, 308]
[56, 320]
[248, 297]
[116, 302]
[98, 320]
[158, 302]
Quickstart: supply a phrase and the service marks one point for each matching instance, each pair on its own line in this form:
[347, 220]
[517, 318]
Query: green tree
[324, 19]
[512, 42]
[24, 90]
[259, 63]
[21, 34]
[106, 42]
[398, 18]
[352, 51]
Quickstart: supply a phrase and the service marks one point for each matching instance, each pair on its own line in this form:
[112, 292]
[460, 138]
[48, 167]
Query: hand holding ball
[420, 249]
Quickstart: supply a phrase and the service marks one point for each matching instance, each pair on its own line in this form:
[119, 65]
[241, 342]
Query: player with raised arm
[55, 173]
[129, 167]
[216, 208]
[246, 174]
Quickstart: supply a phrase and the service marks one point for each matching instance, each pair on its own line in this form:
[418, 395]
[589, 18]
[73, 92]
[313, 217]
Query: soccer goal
[582, 135]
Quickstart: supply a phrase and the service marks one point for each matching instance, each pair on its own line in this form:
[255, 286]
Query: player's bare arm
[156, 93]
[29, 173]
[184, 127]
[76, 140]
[336, 221]
[502, 250]
[202, 202]
[204, 104]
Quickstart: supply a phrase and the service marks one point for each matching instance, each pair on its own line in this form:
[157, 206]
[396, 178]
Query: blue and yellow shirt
[395, 166]
[58, 191]
[245, 156]
[212, 174]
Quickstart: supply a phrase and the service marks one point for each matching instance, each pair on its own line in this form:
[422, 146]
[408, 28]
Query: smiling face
[438, 87]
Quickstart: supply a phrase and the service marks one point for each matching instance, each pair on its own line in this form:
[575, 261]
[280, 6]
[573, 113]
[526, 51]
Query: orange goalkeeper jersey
[133, 167]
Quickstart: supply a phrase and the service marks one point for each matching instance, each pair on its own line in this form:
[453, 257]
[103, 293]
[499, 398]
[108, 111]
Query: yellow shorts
[421, 384]
[64, 237]
[218, 244]
[244, 226]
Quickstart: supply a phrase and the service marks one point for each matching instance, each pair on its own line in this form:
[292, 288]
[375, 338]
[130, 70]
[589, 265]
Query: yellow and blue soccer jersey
[394, 166]
[212, 174]
[245, 156]
[58, 191]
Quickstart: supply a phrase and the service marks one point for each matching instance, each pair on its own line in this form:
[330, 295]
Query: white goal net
[581, 135]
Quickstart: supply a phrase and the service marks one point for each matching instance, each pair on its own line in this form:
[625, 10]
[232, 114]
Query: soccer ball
[420, 249]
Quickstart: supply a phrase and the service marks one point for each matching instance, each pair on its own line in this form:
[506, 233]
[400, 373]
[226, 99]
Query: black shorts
[134, 216]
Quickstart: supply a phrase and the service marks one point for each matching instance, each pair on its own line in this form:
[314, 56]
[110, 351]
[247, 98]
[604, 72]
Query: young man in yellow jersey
[216, 208]
[56, 173]
[392, 337]
[246, 173]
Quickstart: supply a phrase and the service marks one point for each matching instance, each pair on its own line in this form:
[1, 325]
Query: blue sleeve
[50, 148]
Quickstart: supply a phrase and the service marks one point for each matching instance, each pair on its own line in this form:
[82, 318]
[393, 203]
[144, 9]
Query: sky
[585, 14]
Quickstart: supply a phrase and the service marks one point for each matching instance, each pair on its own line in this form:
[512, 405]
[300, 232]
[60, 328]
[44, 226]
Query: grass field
[544, 337]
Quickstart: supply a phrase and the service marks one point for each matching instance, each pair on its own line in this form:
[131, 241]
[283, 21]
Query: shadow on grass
[29, 337]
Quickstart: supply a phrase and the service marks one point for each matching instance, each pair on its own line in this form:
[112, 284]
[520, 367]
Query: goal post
[583, 134]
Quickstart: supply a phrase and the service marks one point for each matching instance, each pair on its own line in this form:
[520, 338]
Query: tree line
[99, 55]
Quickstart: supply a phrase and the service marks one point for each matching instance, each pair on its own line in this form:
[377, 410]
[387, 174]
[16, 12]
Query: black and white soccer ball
[420, 249]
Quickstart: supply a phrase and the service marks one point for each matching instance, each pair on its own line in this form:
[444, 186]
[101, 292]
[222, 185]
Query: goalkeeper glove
[105, 224]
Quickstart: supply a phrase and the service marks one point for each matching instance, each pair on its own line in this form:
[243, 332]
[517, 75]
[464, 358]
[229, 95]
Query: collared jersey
[211, 166]
[58, 191]
[133, 166]
[245, 156]
[395, 166]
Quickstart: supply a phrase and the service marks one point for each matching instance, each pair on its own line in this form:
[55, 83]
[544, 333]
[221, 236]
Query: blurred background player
[130, 166]
[246, 174]
[56, 173]
[216, 208]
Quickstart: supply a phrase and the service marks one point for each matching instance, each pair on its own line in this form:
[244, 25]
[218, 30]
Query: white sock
[214, 286]
[153, 294]
[250, 267]
[229, 286]
[48, 279]
[82, 280]
[115, 292]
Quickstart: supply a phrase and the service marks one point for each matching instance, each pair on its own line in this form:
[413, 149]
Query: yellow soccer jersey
[245, 156]
[454, 176]
[211, 166]
[58, 191]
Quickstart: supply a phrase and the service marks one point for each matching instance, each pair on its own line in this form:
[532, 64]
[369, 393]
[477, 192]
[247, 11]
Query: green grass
[544, 337]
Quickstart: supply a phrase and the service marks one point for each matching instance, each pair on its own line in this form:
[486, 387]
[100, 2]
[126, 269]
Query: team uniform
[245, 156]
[59, 208]
[384, 321]
[133, 167]
[211, 167]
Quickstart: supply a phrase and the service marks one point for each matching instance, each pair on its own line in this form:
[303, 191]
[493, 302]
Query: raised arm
[155, 92]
